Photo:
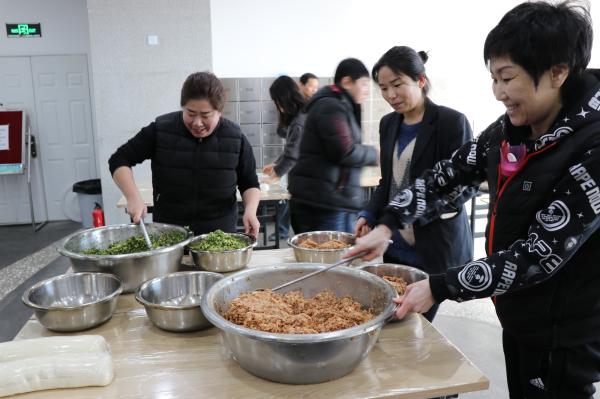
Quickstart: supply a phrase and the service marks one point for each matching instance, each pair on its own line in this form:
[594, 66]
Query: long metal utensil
[347, 260]
[145, 233]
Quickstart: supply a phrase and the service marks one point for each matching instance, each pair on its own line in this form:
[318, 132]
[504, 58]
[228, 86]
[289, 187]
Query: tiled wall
[250, 105]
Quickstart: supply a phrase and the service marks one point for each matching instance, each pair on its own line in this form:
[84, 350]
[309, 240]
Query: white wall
[273, 37]
[135, 82]
[64, 27]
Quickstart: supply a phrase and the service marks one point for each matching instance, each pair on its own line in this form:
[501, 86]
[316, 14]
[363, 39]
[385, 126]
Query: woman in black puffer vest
[198, 160]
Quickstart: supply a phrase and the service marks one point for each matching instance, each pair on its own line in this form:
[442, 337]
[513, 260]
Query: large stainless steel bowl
[223, 261]
[132, 269]
[172, 302]
[320, 255]
[74, 302]
[300, 358]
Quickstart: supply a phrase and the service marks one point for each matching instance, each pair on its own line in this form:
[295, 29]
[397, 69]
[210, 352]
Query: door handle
[33, 148]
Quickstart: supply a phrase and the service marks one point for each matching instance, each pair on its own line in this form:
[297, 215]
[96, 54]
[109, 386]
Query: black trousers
[560, 373]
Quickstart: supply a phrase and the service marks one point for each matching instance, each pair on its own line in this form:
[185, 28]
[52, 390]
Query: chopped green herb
[218, 241]
[137, 244]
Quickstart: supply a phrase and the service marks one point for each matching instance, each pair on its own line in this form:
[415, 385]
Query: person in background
[309, 84]
[412, 139]
[325, 183]
[541, 160]
[290, 103]
[198, 160]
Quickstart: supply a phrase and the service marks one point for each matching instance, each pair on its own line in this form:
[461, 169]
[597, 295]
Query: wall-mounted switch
[152, 40]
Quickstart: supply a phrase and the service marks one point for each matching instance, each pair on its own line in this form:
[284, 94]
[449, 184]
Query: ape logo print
[550, 137]
[549, 261]
[555, 217]
[404, 198]
[476, 276]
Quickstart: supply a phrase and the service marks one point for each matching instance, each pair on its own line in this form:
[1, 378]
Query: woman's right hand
[373, 244]
[268, 169]
[362, 227]
[137, 209]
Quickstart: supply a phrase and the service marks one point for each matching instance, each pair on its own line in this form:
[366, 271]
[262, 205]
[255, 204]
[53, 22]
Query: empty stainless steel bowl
[74, 302]
[223, 261]
[320, 255]
[132, 269]
[172, 302]
[301, 358]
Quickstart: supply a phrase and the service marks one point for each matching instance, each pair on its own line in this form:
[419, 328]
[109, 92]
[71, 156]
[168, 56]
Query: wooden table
[410, 360]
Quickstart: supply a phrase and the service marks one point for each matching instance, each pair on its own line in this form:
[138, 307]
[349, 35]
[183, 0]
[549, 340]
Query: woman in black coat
[413, 138]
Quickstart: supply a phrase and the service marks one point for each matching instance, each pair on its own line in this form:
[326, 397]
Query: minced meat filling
[398, 283]
[291, 313]
[331, 244]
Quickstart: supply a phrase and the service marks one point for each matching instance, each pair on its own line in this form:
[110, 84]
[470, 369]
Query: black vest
[194, 180]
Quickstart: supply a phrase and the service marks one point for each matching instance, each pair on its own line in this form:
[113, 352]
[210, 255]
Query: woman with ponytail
[412, 139]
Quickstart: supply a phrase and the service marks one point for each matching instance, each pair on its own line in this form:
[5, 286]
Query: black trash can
[89, 192]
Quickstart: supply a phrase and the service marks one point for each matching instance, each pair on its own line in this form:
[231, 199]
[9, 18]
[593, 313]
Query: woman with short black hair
[541, 160]
[198, 158]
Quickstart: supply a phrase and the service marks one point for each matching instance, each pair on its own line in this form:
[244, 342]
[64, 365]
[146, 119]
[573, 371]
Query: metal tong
[145, 233]
[347, 260]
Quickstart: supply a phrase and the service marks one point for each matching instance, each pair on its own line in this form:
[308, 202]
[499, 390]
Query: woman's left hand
[417, 298]
[251, 224]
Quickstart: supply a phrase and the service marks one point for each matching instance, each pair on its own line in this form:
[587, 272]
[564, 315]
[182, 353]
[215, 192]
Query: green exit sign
[24, 30]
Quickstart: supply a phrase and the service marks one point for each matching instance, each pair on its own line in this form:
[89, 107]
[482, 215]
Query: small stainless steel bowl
[172, 302]
[407, 273]
[132, 269]
[223, 261]
[75, 301]
[320, 255]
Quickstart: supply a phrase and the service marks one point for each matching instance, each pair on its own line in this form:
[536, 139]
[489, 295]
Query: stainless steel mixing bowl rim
[292, 244]
[220, 322]
[26, 301]
[253, 243]
[143, 301]
[76, 255]
[409, 268]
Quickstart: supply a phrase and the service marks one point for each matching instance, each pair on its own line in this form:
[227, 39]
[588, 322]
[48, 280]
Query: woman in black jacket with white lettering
[542, 163]
[412, 139]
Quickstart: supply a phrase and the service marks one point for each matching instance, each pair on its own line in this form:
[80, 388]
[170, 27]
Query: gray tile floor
[472, 326]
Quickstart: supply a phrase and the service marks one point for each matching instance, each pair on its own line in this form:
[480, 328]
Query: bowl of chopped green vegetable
[122, 251]
[221, 252]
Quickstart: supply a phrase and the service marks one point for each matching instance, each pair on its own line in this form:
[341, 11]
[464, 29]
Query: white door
[16, 91]
[62, 97]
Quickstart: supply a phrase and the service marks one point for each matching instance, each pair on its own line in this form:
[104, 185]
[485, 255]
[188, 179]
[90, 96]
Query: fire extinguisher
[98, 216]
